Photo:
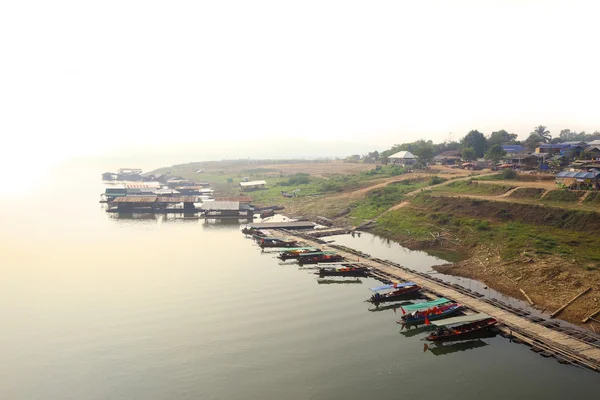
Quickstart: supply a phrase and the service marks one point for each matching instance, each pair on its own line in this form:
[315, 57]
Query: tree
[372, 157]
[385, 160]
[532, 141]
[543, 133]
[501, 137]
[468, 153]
[496, 153]
[477, 141]
[425, 154]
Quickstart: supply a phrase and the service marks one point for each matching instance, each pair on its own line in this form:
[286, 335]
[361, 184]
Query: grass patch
[563, 195]
[592, 199]
[527, 193]
[381, 199]
[473, 187]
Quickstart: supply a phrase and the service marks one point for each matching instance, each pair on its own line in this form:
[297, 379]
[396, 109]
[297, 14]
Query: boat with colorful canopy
[295, 253]
[423, 316]
[349, 270]
[319, 257]
[396, 291]
[460, 327]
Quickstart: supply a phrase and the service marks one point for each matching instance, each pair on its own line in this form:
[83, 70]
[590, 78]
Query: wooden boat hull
[476, 328]
[433, 317]
[361, 272]
[396, 297]
[278, 244]
[317, 260]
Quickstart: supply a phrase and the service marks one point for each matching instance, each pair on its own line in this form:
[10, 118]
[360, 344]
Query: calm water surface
[100, 307]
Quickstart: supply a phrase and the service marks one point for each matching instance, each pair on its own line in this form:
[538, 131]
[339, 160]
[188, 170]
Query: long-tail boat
[397, 291]
[433, 313]
[267, 213]
[296, 253]
[343, 271]
[276, 242]
[460, 327]
[319, 257]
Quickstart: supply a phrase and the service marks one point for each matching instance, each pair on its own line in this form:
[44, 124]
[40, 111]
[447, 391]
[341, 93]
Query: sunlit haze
[213, 80]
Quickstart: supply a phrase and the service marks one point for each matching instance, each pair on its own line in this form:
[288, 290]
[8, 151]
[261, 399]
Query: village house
[403, 158]
[513, 149]
[449, 157]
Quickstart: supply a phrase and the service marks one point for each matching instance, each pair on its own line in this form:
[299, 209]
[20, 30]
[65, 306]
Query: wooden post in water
[555, 313]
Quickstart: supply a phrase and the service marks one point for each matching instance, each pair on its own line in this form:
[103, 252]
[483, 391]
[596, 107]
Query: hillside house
[403, 158]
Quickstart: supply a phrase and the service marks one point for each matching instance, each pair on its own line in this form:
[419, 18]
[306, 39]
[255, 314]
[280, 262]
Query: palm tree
[543, 133]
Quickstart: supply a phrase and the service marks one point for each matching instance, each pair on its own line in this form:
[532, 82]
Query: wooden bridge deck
[525, 329]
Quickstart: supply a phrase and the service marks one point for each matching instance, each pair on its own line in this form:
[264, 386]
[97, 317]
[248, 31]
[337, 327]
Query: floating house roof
[221, 206]
[404, 155]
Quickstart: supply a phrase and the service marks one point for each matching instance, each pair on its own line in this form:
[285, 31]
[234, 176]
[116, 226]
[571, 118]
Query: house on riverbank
[403, 158]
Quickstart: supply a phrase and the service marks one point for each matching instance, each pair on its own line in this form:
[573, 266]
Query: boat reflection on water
[334, 281]
[446, 348]
[134, 216]
[415, 331]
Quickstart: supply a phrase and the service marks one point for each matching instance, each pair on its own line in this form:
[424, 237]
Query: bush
[297, 179]
[509, 173]
[436, 180]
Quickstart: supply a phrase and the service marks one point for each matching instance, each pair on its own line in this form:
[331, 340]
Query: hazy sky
[88, 78]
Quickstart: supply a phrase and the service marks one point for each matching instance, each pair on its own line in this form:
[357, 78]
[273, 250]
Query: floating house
[153, 204]
[253, 185]
[227, 209]
[403, 158]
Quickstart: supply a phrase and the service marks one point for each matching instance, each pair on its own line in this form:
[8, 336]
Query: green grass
[513, 238]
[527, 193]
[379, 200]
[473, 187]
[562, 195]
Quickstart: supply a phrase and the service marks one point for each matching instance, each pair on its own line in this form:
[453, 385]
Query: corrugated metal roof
[253, 183]
[135, 199]
[403, 155]
[577, 175]
[141, 185]
[513, 148]
[221, 205]
[177, 199]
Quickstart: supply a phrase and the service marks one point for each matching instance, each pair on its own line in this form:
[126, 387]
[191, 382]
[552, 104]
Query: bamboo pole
[528, 298]
[592, 315]
[555, 313]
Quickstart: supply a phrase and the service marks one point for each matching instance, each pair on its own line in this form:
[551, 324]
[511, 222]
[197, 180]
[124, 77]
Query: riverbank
[513, 235]
[551, 255]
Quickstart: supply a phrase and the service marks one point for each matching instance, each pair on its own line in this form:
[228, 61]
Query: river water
[100, 307]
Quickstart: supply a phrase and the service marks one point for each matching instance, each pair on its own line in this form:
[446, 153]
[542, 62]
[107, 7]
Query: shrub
[509, 173]
[436, 180]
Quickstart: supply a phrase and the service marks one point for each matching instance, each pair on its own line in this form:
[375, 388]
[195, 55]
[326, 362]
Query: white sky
[88, 78]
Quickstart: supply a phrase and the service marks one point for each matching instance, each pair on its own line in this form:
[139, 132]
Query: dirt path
[414, 192]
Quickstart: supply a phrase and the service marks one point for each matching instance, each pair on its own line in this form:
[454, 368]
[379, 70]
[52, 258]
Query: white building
[403, 158]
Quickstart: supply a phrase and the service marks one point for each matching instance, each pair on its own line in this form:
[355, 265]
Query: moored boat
[319, 257]
[276, 242]
[423, 316]
[397, 291]
[350, 270]
[296, 253]
[459, 327]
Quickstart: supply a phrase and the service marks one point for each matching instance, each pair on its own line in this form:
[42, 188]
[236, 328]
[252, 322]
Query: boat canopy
[317, 253]
[428, 304]
[297, 249]
[463, 319]
[392, 286]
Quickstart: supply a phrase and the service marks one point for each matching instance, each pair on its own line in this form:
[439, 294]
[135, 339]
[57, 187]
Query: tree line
[477, 145]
